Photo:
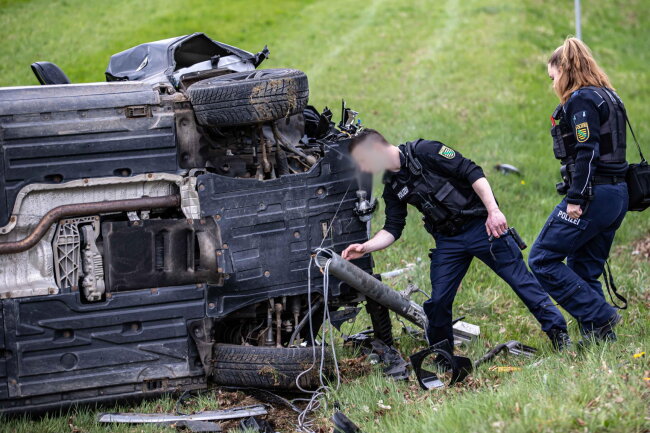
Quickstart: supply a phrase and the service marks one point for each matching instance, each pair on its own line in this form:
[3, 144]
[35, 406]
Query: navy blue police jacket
[587, 106]
[441, 160]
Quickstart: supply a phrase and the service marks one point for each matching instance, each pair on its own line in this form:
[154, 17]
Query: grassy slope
[470, 73]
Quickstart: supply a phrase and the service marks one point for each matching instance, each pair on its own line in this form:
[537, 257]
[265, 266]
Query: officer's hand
[353, 251]
[574, 210]
[496, 223]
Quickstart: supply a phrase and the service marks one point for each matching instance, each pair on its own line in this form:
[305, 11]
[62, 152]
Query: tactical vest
[444, 207]
[612, 132]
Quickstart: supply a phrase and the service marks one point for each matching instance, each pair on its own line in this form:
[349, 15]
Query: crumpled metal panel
[156, 61]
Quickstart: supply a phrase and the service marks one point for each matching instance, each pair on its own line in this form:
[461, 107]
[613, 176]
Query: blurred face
[372, 156]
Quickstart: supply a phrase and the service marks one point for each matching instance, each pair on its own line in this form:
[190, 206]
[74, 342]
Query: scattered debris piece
[514, 347]
[256, 425]
[377, 351]
[418, 334]
[445, 362]
[465, 332]
[361, 339]
[382, 406]
[339, 317]
[139, 418]
[395, 272]
[342, 424]
[394, 365]
[507, 169]
[410, 289]
[504, 369]
[197, 426]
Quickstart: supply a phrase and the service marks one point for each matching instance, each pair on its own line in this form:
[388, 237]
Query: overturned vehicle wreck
[156, 230]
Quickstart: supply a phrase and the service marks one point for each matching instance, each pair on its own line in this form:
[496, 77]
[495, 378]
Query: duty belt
[607, 180]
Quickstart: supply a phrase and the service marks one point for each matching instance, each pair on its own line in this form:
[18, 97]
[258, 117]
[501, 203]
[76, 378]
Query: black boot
[560, 339]
[601, 334]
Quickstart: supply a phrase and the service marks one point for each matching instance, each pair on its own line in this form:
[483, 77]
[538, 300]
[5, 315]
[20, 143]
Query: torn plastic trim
[343, 424]
[160, 60]
[459, 366]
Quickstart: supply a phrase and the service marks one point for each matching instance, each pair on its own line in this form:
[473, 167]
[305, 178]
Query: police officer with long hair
[588, 130]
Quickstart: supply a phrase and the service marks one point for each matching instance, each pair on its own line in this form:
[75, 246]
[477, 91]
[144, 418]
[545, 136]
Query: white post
[578, 20]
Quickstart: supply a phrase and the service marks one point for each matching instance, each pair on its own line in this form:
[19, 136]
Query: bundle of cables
[305, 425]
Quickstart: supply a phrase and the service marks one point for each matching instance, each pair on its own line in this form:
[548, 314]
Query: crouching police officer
[589, 138]
[460, 211]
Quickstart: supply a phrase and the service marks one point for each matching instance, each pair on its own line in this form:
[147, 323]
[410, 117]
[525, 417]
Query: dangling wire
[305, 425]
[314, 402]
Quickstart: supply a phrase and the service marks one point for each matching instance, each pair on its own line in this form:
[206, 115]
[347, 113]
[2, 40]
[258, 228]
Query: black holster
[566, 172]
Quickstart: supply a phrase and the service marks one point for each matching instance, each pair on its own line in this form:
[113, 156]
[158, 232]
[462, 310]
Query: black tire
[267, 367]
[246, 98]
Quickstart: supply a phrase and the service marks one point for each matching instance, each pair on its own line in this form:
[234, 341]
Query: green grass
[469, 73]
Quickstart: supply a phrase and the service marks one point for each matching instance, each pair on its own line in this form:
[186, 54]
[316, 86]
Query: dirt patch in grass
[281, 417]
[641, 248]
[353, 368]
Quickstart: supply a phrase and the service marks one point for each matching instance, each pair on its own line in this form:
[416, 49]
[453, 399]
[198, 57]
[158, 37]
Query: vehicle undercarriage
[156, 231]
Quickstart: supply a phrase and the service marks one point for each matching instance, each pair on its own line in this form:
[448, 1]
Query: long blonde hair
[577, 68]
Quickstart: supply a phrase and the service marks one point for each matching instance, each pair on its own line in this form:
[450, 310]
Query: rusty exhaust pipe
[85, 209]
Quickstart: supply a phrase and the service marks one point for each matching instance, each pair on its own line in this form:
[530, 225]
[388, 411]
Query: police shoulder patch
[447, 152]
[582, 132]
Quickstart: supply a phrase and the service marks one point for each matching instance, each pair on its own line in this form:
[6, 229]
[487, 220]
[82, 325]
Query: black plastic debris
[395, 366]
[361, 339]
[339, 317]
[507, 169]
[415, 333]
[161, 59]
[513, 347]
[197, 426]
[318, 125]
[256, 425]
[342, 424]
[455, 368]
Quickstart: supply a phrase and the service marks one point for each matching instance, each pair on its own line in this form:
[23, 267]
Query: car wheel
[245, 98]
[267, 367]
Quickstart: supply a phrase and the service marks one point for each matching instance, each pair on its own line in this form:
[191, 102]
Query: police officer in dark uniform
[589, 138]
[460, 211]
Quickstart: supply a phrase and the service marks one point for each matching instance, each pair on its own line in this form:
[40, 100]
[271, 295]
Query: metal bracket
[202, 333]
[67, 250]
[92, 265]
